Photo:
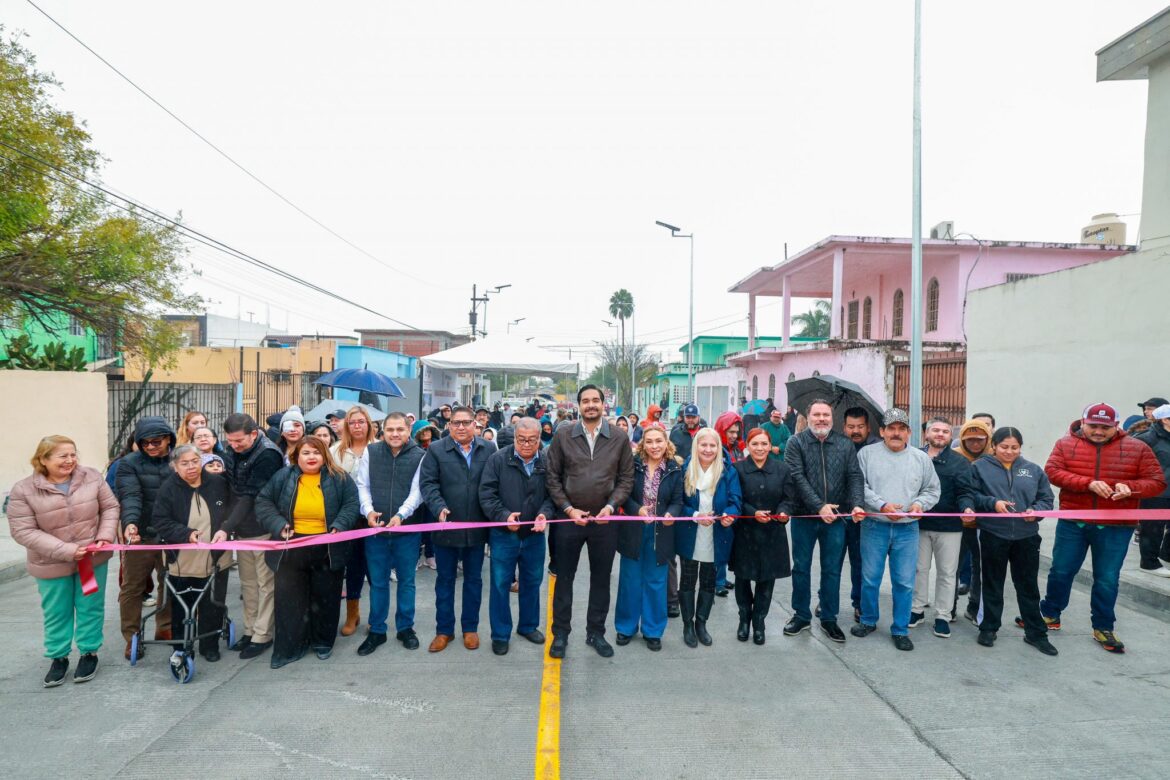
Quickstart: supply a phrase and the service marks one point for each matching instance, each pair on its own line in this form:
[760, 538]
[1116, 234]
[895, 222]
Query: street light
[497, 290]
[615, 368]
[677, 233]
[515, 322]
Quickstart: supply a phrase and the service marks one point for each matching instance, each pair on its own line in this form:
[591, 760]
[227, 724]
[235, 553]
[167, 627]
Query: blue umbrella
[361, 379]
[756, 406]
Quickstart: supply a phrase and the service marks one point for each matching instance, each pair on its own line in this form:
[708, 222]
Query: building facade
[416, 343]
[58, 327]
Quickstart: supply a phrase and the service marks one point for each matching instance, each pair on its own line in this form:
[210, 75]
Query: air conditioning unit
[944, 230]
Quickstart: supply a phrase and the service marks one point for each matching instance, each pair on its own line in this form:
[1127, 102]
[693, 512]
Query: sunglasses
[157, 442]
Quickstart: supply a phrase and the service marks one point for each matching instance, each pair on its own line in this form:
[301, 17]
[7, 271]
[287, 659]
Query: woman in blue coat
[1004, 483]
[647, 547]
[713, 498]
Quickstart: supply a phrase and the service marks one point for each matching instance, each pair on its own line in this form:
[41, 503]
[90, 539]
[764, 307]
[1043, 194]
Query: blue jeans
[898, 541]
[1109, 544]
[507, 551]
[853, 548]
[446, 559]
[383, 552]
[641, 597]
[807, 532]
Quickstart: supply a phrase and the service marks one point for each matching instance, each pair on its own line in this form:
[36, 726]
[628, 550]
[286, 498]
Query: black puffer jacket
[824, 472]
[1159, 440]
[247, 473]
[172, 508]
[506, 488]
[274, 508]
[140, 476]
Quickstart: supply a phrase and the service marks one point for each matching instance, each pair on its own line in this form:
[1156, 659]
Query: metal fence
[272, 392]
[128, 401]
[944, 388]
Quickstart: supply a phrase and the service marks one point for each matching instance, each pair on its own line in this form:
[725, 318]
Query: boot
[702, 612]
[745, 624]
[760, 610]
[353, 616]
[686, 604]
[758, 629]
[743, 597]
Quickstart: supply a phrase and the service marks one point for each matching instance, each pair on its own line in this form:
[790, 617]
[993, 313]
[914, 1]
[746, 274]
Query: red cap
[1100, 414]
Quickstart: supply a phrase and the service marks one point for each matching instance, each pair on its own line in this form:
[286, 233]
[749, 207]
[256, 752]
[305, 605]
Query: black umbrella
[840, 394]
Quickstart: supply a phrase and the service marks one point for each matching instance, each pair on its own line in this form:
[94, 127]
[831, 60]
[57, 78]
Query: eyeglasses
[158, 442]
[461, 423]
[527, 439]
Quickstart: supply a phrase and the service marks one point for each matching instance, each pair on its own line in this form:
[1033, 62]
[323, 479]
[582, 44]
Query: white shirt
[361, 476]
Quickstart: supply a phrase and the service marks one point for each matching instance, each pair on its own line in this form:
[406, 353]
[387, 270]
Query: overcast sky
[535, 144]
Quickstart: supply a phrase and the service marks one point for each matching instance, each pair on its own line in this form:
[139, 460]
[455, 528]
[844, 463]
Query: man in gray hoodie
[900, 484]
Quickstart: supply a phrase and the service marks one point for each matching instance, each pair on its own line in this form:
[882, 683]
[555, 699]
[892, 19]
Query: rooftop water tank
[1104, 229]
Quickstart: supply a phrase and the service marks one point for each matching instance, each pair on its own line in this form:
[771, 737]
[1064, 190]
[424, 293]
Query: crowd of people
[714, 500]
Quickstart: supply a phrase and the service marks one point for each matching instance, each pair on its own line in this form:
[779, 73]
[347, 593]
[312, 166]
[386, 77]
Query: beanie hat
[293, 415]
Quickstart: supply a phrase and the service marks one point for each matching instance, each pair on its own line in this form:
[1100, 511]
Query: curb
[11, 571]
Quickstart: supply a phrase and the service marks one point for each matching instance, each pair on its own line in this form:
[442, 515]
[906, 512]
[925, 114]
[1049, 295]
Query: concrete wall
[1042, 349]
[72, 404]
[869, 367]
[220, 365]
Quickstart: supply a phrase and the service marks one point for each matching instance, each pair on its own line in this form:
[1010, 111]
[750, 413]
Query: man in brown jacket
[590, 473]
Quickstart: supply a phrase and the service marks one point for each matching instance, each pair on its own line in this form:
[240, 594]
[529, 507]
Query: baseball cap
[338, 413]
[1155, 401]
[690, 410]
[1162, 412]
[895, 416]
[1100, 414]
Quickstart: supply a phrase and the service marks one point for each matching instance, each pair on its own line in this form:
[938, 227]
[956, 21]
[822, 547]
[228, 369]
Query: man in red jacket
[1096, 466]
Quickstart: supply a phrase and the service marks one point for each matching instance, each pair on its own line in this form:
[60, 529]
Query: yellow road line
[548, 726]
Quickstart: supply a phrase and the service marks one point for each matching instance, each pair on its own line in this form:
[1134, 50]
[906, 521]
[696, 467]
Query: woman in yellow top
[311, 496]
[357, 433]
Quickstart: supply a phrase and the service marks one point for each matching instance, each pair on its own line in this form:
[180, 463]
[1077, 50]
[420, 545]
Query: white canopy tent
[500, 355]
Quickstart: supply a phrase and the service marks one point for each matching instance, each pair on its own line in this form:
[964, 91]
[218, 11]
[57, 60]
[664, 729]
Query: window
[791, 377]
[852, 328]
[105, 347]
[755, 387]
[867, 318]
[680, 394]
[932, 305]
[75, 326]
[771, 386]
[897, 314]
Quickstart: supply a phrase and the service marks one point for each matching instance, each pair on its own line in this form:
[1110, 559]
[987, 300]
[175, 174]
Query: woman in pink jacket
[56, 513]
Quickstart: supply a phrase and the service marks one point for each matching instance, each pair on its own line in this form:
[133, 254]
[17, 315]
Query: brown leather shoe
[163, 636]
[439, 643]
[471, 641]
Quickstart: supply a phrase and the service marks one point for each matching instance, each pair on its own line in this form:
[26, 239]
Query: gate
[128, 401]
[272, 392]
[944, 388]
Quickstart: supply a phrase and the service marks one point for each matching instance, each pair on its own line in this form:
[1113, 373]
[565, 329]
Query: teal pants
[70, 615]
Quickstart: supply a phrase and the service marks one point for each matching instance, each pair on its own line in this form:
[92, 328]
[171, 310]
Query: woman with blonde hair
[192, 421]
[58, 511]
[312, 495]
[657, 493]
[713, 498]
[357, 433]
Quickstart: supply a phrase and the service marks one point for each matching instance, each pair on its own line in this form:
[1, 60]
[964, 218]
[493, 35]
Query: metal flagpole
[916, 242]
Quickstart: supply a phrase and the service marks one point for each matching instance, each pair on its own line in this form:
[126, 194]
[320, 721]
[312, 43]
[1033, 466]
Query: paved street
[796, 707]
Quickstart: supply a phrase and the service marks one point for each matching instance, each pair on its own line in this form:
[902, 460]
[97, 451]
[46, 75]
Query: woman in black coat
[311, 496]
[760, 552]
[191, 506]
[647, 547]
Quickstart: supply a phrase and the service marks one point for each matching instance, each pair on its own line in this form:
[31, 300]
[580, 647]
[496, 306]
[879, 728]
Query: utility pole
[473, 315]
[915, 409]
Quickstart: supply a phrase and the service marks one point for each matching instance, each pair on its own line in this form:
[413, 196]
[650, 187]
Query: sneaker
[86, 668]
[598, 643]
[421, 563]
[942, 628]
[1042, 644]
[1161, 571]
[148, 600]
[972, 615]
[431, 563]
[1109, 641]
[862, 629]
[1052, 623]
[903, 642]
[57, 671]
[917, 619]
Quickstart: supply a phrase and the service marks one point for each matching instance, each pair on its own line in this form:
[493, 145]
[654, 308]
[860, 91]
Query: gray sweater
[906, 477]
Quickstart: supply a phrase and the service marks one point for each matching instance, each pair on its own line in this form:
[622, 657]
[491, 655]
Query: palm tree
[621, 305]
[815, 323]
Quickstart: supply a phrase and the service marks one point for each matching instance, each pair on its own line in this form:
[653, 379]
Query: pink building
[867, 279]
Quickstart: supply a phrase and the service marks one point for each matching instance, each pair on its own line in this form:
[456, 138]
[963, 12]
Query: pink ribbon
[1096, 516]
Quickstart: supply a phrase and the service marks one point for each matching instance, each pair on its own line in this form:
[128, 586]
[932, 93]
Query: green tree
[63, 248]
[814, 323]
[613, 370]
[621, 305]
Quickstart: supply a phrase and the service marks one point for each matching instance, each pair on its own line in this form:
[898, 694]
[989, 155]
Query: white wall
[1040, 350]
[43, 403]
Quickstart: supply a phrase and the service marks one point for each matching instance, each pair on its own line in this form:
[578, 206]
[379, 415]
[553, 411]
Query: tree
[621, 305]
[815, 323]
[613, 370]
[63, 247]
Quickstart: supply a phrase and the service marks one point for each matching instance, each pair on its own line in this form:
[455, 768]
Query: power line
[232, 160]
[192, 234]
